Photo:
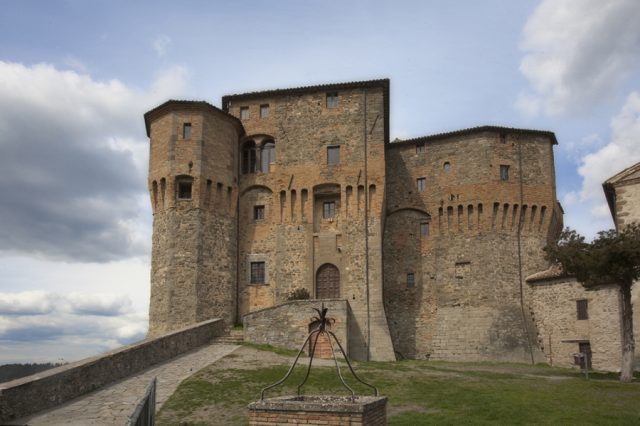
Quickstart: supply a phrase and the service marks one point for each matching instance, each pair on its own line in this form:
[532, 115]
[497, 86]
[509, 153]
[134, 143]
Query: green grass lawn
[420, 392]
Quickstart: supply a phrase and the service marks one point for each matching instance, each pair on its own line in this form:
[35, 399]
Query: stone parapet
[28, 395]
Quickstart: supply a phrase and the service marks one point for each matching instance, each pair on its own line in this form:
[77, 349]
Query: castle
[429, 239]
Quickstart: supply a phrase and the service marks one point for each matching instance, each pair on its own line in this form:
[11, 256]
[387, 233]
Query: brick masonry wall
[28, 395]
[293, 239]
[465, 302]
[287, 325]
[318, 410]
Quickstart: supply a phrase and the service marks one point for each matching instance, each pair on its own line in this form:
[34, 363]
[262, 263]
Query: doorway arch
[328, 282]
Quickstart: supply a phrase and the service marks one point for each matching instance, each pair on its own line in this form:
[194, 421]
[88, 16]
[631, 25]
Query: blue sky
[76, 78]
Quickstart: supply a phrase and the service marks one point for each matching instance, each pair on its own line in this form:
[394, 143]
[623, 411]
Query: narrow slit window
[258, 212]
[504, 172]
[411, 280]
[333, 155]
[186, 131]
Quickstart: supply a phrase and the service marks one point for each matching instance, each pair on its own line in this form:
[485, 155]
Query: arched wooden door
[328, 282]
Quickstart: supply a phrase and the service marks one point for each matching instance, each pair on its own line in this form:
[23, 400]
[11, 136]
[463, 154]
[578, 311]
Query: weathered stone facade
[428, 240]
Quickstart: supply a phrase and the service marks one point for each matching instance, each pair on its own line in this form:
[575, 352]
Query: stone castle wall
[193, 270]
[293, 238]
[464, 299]
[264, 171]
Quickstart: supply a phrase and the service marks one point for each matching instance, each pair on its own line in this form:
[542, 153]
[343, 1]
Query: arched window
[249, 161]
[268, 155]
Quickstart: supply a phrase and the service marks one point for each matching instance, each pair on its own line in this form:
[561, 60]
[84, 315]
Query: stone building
[571, 319]
[427, 239]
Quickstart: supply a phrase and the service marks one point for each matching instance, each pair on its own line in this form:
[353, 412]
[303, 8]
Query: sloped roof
[185, 105]
[553, 272]
[629, 175]
[472, 130]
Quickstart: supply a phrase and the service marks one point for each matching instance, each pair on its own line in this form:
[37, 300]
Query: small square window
[257, 273]
[333, 155]
[420, 148]
[422, 184]
[424, 229]
[504, 172]
[411, 280]
[332, 99]
[258, 212]
[184, 190]
[328, 209]
[244, 113]
[264, 111]
[582, 308]
[186, 131]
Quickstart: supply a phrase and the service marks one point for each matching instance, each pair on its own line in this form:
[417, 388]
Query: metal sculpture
[319, 324]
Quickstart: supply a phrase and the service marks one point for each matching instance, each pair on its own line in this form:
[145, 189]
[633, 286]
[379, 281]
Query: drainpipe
[366, 226]
[518, 238]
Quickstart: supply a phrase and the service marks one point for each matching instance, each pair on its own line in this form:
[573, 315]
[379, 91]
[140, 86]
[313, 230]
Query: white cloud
[588, 211]
[577, 52]
[88, 322]
[74, 156]
[161, 44]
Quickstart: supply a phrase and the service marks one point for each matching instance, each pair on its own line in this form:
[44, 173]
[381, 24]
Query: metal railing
[145, 412]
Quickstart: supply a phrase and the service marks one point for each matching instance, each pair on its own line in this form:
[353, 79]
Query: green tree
[611, 258]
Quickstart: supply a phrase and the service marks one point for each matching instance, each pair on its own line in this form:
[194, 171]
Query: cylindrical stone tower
[193, 188]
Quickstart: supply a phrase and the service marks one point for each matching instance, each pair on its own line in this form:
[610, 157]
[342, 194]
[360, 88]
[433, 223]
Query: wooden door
[328, 282]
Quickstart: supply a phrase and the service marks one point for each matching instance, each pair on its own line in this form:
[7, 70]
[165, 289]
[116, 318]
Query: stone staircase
[235, 337]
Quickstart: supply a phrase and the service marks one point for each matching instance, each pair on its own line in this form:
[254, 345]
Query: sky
[76, 78]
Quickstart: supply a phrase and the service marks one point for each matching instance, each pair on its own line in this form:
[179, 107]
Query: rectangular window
[503, 138]
[424, 229]
[328, 209]
[333, 155]
[332, 99]
[184, 190]
[186, 131]
[504, 172]
[420, 148]
[264, 111]
[582, 308]
[422, 184]
[244, 113]
[257, 273]
[258, 212]
[411, 280]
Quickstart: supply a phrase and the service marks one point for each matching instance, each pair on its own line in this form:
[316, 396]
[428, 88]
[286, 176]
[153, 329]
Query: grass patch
[420, 392]
[274, 349]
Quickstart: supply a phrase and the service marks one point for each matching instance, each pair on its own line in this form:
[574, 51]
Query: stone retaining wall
[287, 325]
[28, 395]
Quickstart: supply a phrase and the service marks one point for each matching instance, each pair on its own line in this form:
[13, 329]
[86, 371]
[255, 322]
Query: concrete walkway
[114, 404]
